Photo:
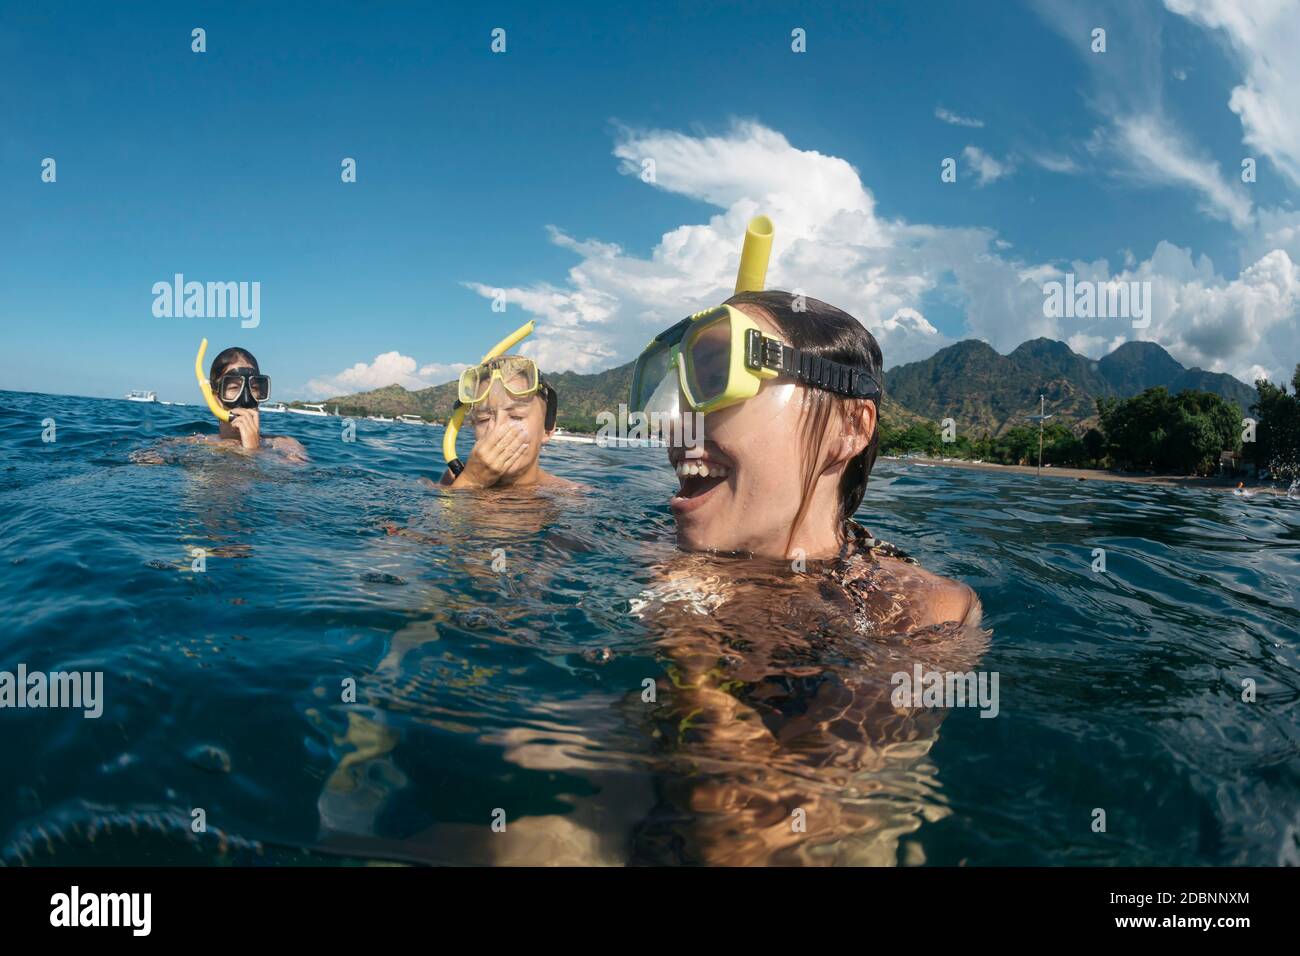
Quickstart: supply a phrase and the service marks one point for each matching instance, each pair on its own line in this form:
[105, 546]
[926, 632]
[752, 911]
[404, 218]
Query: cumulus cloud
[910, 336]
[389, 368]
[1276, 229]
[948, 116]
[1238, 326]
[831, 243]
[1245, 326]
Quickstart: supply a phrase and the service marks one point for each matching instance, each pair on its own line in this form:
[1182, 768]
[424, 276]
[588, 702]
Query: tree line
[1154, 431]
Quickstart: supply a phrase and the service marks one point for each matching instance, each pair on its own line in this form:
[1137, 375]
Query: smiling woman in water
[785, 620]
[790, 393]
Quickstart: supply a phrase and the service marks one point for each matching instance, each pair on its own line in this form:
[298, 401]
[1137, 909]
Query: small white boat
[377, 418]
[274, 407]
[308, 409]
[141, 395]
[561, 435]
[410, 419]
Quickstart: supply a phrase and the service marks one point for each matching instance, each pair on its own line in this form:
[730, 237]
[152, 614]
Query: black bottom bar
[336, 904]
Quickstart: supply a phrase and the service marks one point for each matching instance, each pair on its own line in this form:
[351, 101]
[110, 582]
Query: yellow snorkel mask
[454, 464]
[719, 356]
[206, 387]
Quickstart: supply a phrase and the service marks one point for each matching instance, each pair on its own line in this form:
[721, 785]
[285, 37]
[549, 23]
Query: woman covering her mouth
[789, 389]
[512, 409]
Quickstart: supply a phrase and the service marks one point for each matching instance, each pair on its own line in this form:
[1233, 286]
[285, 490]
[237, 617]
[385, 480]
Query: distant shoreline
[1097, 474]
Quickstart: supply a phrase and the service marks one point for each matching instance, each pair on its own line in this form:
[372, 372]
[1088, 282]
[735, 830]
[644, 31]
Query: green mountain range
[981, 389]
[985, 391]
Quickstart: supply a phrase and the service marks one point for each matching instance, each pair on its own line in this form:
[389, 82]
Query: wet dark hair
[552, 402]
[830, 333]
[229, 357]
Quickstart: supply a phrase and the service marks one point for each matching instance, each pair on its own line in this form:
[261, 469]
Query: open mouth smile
[698, 475]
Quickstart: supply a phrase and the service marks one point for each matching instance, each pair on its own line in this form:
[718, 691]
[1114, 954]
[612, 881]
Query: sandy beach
[1096, 474]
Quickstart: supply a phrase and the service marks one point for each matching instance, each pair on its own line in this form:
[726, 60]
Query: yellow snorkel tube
[206, 387]
[454, 464]
[754, 254]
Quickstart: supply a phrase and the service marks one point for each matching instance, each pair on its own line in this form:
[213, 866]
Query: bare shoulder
[932, 598]
[950, 601]
[560, 484]
[291, 448]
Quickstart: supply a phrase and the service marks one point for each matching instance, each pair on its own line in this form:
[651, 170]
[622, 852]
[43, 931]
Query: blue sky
[519, 171]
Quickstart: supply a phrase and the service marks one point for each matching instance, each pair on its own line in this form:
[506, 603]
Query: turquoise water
[520, 688]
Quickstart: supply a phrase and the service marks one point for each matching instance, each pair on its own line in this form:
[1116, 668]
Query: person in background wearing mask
[239, 385]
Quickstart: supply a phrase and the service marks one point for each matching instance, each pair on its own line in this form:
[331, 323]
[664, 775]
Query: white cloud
[1276, 229]
[1264, 36]
[830, 243]
[389, 368]
[987, 169]
[1055, 163]
[1158, 154]
[1094, 346]
[1241, 326]
[910, 336]
[948, 116]
[1238, 326]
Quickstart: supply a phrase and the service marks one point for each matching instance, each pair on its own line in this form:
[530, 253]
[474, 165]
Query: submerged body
[778, 738]
[245, 428]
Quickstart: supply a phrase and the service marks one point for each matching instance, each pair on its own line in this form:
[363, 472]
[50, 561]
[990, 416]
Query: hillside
[1137, 366]
[985, 391]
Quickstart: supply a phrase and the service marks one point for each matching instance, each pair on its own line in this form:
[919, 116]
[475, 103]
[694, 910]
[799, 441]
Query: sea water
[332, 662]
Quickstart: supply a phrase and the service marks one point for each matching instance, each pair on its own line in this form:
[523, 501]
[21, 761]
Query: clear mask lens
[648, 376]
[708, 352]
[665, 398]
[260, 387]
[232, 386]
